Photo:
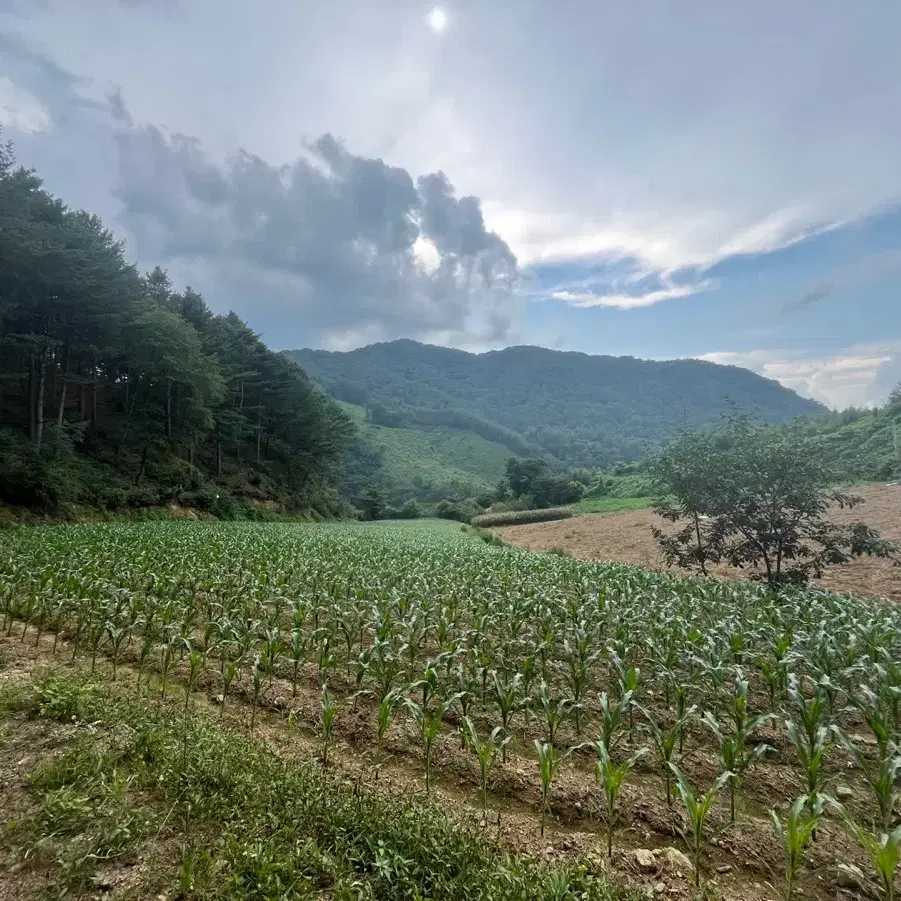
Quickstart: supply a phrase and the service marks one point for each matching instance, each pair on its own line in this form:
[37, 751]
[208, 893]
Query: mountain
[578, 409]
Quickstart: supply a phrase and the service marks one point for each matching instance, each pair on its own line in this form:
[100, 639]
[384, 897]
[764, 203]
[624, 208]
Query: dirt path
[626, 538]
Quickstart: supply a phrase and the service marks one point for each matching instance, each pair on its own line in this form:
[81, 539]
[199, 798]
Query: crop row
[561, 656]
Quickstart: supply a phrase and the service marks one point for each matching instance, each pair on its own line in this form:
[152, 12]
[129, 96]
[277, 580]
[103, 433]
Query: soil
[626, 537]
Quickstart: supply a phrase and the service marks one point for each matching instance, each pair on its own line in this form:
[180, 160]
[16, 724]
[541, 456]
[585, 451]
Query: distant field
[610, 504]
[433, 462]
[625, 537]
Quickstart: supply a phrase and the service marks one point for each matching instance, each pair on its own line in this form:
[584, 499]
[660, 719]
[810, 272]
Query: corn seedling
[610, 777]
[486, 752]
[883, 849]
[328, 710]
[795, 834]
[549, 760]
[697, 808]
[664, 739]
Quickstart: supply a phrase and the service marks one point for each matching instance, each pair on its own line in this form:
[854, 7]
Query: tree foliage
[577, 409]
[755, 498]
[100, 365]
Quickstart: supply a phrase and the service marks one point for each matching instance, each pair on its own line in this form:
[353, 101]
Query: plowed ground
[626, 538]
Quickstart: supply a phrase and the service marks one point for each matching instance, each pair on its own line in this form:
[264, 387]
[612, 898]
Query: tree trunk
[39, 401]
[259, 430]
[169, 409]
[60, 412]
[218, 457]
[94, 393]
[32, 387]
[141, 468]
[131, 409]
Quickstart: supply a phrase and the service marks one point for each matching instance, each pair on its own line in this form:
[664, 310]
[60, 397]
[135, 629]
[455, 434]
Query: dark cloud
[849, 277]
[809, 299]
[331, 248]
[332, 238]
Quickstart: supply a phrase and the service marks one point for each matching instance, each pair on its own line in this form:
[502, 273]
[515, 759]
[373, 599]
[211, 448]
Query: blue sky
[656, 178]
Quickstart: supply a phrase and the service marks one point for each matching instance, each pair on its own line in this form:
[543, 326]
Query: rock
[851, 877]
[659, 888]
[724, 868]
[844, 792]
[674, 859]
[645, 859]
[218, 699]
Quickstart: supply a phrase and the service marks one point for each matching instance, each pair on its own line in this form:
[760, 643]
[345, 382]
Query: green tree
[759, 499]
[372, 503]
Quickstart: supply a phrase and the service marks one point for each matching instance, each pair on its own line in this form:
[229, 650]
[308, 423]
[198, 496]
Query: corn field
[691, 692]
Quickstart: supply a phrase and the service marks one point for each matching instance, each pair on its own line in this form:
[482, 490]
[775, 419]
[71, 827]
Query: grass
[184, 805]
[433, 463]
[610, 504]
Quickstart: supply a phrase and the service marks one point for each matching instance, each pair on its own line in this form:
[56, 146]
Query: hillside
[579, 409]
[118, 392]
[428, 463]
[861, 445]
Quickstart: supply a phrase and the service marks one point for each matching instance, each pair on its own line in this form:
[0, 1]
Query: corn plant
[795, 833]
[428, 722]
[553, 712]
[736, 754]
[328, 711]
[697, 808]
[881, 778]
[612, 717]
[549, 760]
[884, 850]
[664, 739]
[506, 696]
[383, 719]
[486, 752]
[258, 672]
[610, 777]
[196, 661]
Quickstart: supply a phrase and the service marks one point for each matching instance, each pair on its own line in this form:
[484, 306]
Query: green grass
[220, 815]
[433, 463]
[610, 504]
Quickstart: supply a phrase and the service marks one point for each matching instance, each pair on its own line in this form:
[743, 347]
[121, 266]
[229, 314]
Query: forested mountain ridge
[579, 409]
[118, 391]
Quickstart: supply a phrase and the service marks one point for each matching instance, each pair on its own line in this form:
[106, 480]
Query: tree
[756, 498]
[372, 503]
[111, 381]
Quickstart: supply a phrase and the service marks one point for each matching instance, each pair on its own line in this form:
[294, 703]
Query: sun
[437, 20]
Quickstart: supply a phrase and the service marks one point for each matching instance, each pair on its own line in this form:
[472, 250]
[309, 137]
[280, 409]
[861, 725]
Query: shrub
[520, 517]
[459, 511]
[410, 510]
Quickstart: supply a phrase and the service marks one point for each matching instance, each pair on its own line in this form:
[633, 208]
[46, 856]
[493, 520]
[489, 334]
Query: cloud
[628, 301]
[814, 296]
[20, 110]
[847, 278]
[860, 375]
[341, 243]
[328, 248]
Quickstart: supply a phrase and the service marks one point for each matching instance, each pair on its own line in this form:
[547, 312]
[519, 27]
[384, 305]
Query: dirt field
[626, 538]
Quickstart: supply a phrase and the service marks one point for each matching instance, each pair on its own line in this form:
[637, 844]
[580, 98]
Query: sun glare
[437, 20]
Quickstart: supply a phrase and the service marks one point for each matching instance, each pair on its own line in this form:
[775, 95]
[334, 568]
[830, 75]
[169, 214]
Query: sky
[657, 178]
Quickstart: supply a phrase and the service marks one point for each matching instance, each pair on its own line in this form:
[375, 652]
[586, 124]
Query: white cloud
[21, 110]
[583, 299]
[860, 375]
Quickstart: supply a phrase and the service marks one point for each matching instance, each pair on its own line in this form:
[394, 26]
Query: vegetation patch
[245, 822]
[520, 517]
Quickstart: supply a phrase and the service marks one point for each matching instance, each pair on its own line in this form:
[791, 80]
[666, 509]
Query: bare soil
[626, 537]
